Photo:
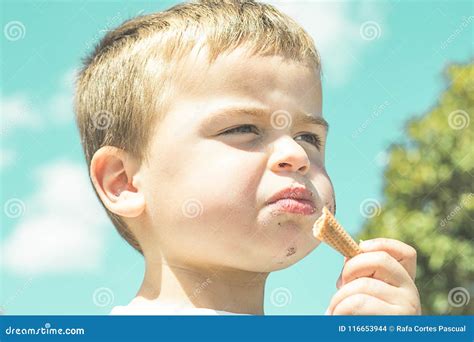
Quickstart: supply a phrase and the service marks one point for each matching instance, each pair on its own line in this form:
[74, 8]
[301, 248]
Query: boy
[202, 126]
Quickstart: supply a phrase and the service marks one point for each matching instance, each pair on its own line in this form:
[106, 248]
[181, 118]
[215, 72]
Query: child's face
[206, 192]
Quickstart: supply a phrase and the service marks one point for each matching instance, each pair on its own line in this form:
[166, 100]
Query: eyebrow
[300, 118]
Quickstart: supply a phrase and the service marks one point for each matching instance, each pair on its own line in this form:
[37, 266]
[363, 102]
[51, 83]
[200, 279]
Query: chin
[294, 253]
[284, 260]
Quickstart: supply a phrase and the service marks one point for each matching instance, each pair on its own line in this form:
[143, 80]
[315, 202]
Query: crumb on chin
[291, 251]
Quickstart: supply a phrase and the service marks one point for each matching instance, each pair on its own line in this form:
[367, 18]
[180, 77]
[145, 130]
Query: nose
[287, 155]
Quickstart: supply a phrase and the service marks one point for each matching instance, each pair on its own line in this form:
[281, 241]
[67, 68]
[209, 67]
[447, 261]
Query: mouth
[293, 200]
[294, 206]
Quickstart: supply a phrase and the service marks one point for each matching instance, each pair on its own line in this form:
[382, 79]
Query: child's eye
[242, 129]
[313, 139]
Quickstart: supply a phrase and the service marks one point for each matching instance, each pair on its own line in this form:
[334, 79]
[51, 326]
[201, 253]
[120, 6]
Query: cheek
[211, 189]
[324, 188]
[327, 193]
[227, 178]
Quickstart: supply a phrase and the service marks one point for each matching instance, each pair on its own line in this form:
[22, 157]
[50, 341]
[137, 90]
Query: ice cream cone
[328, 230]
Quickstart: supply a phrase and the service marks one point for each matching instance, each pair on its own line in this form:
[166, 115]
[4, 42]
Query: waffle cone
[328, 230]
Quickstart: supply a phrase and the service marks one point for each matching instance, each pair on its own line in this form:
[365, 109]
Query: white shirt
[141, 306]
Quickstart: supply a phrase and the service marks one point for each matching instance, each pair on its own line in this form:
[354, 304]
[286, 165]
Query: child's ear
[116, 178]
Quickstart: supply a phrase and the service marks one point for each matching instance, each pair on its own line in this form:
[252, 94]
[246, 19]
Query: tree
[428, 197]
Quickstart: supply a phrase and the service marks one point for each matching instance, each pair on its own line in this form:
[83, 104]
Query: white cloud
[7, 157]
[60, 105]
[21, 111]
[335, 28]
[17, 111]
[63, 226]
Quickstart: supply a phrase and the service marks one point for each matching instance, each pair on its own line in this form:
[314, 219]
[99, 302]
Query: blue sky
[383, 63]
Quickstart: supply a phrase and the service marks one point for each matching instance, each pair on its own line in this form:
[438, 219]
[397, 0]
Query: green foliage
[429, 200]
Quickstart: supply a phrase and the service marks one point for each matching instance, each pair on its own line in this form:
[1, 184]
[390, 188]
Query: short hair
[122, 89]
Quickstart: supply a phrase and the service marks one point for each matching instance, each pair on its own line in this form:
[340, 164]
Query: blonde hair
[123, 88]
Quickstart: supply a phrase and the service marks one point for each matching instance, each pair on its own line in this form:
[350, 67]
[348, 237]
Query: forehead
[241, 73]
[237, 83]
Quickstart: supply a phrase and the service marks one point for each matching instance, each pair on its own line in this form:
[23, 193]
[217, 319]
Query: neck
[204, 287]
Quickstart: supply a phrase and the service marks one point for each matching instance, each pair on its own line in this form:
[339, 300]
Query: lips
[293, 200]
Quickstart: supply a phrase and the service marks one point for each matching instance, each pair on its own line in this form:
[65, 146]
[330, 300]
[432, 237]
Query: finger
[362, 304]
[403, 253]
[378, 265]
[339, 279]
[369, 286]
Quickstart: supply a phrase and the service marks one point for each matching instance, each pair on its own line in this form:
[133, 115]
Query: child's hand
[379, 281]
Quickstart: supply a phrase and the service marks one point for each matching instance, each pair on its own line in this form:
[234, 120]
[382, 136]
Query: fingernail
[327, 312]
